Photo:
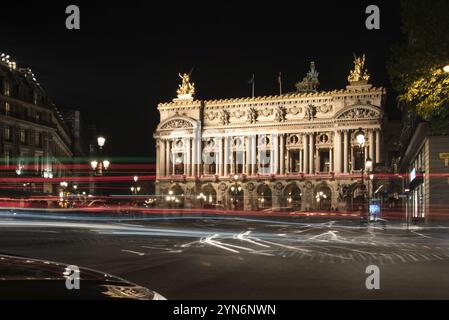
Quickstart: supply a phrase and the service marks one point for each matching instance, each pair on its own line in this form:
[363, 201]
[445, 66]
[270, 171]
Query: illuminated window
[7, 108]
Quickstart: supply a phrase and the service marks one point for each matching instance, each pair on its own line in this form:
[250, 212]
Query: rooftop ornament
[310, 82]
[359, 75]
[186, 90]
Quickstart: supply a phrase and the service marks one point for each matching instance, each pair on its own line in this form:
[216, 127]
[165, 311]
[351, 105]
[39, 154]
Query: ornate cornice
[297, 97]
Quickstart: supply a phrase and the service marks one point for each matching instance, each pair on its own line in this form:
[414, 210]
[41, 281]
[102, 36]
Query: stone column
[195, 158]
[167, 157]
[226, 156]
[311, 153]
[276, 155]
[337, 152]
[253, 155]
[161, 158]
[189, 157]
[345, 151]
[220, 157]
[301, 161]
[159, 152]
[331, 160]
[371, 145]
[217, 158]
[378, 150]
[352, 158]
[199, 154]
[305, 139]
[282, 156]
[248, 155]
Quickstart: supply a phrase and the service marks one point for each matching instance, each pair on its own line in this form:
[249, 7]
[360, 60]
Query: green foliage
[416, 65]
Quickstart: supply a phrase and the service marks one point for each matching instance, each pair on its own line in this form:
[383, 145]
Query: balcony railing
[27, 118]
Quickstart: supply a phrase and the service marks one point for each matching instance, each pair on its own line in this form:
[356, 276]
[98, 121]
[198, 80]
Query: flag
[252, 82]
[280, 83]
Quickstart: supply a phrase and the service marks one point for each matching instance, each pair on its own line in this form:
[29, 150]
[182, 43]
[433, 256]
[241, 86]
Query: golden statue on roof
[186, 90]
[360, 73]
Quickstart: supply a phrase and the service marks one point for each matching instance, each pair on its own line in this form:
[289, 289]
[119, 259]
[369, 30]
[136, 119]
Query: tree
[416, 66]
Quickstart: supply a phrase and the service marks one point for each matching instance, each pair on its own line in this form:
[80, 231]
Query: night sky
[126, 58]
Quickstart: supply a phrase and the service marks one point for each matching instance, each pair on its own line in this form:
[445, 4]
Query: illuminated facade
[296, 150]
[33, 136]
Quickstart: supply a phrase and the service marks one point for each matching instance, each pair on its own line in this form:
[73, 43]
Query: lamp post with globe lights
[100, 167]
[236, 189]
[366, 165]
[135, 188]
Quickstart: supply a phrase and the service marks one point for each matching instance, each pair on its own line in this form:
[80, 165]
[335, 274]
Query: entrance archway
[264, 197]
[236, 197]
[175, 197]
[323, 197]
[292, 197]
[358, 197]
[210, 195]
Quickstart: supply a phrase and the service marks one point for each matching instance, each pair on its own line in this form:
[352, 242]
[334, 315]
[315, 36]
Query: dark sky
[126, 57]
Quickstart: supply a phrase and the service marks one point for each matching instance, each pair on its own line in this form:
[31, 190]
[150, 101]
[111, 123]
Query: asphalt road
[237, 258]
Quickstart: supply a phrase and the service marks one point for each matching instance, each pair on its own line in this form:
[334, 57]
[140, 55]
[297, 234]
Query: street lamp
[446, 69]
[235, 190]
[201, 197]
[361, 139]
[99, 166]
[171, 198]
[135, 189]
[101, 141]
[320, 197]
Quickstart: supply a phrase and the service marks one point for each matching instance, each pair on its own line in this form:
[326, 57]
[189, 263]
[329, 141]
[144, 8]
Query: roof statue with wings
[360, 73]
[186, 90]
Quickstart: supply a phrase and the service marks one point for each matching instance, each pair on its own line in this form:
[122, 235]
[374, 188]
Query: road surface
[240, 258]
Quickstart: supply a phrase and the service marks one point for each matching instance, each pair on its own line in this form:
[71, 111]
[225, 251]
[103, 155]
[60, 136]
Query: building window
[324, 160]
[38, 139]
[8, 133]
[36, 98]
[7, 108]
[6, 89]
[358, 161]
[295, 165]
[210, 168]
[23, 136]
[238, 161]
[7, 156]
[264, 162]
[179, 163]
[39, 163]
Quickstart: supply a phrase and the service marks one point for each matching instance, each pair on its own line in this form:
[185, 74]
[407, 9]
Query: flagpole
[254, 81]
[280, 83]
